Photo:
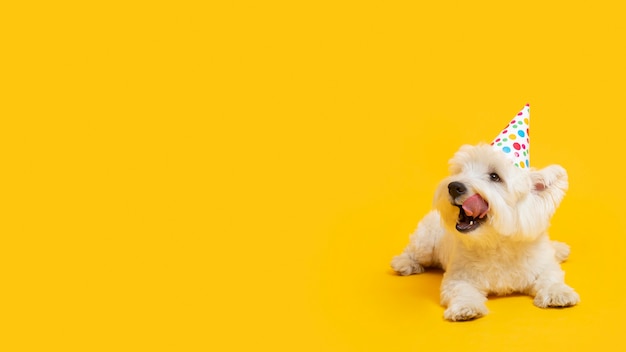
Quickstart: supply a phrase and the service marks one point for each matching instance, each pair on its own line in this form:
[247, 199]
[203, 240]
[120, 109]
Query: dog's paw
[557, 295]
[404, 265]
[464, 312]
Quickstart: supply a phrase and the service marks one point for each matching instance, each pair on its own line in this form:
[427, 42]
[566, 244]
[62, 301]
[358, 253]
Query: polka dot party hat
[514, 140]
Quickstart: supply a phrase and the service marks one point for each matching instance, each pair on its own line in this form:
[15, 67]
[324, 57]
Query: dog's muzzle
[472, 211]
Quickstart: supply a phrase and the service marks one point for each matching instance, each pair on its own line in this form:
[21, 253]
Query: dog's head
[487, 196]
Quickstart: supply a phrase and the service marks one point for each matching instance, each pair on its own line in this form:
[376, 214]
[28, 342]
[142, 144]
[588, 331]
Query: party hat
[514, 140]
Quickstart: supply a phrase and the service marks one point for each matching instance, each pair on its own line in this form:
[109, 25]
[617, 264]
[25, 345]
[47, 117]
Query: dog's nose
[456, 189]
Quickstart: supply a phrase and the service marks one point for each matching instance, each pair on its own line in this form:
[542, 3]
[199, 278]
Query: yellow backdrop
[237, 175]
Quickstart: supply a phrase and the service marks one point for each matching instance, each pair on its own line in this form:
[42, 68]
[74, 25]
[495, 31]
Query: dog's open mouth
[472, 213]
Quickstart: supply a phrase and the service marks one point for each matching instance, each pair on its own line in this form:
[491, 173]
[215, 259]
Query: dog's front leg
[550, 290]
[463, 300]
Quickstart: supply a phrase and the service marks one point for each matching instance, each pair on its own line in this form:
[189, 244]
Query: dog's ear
[550, 183]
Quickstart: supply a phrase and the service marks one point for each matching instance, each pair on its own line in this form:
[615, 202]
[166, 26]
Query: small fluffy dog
[488, 231]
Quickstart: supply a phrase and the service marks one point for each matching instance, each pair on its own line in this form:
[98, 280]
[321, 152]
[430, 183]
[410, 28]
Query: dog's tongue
[475, 206]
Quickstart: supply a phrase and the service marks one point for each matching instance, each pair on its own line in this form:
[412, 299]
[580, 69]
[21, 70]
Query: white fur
[509, 252]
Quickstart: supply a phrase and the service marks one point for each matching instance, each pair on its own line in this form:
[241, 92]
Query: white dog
[488, 231]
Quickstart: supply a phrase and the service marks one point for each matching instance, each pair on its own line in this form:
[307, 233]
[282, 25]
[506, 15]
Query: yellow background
[236, 175]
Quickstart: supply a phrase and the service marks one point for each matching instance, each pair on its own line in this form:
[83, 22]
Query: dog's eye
[494, 177]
